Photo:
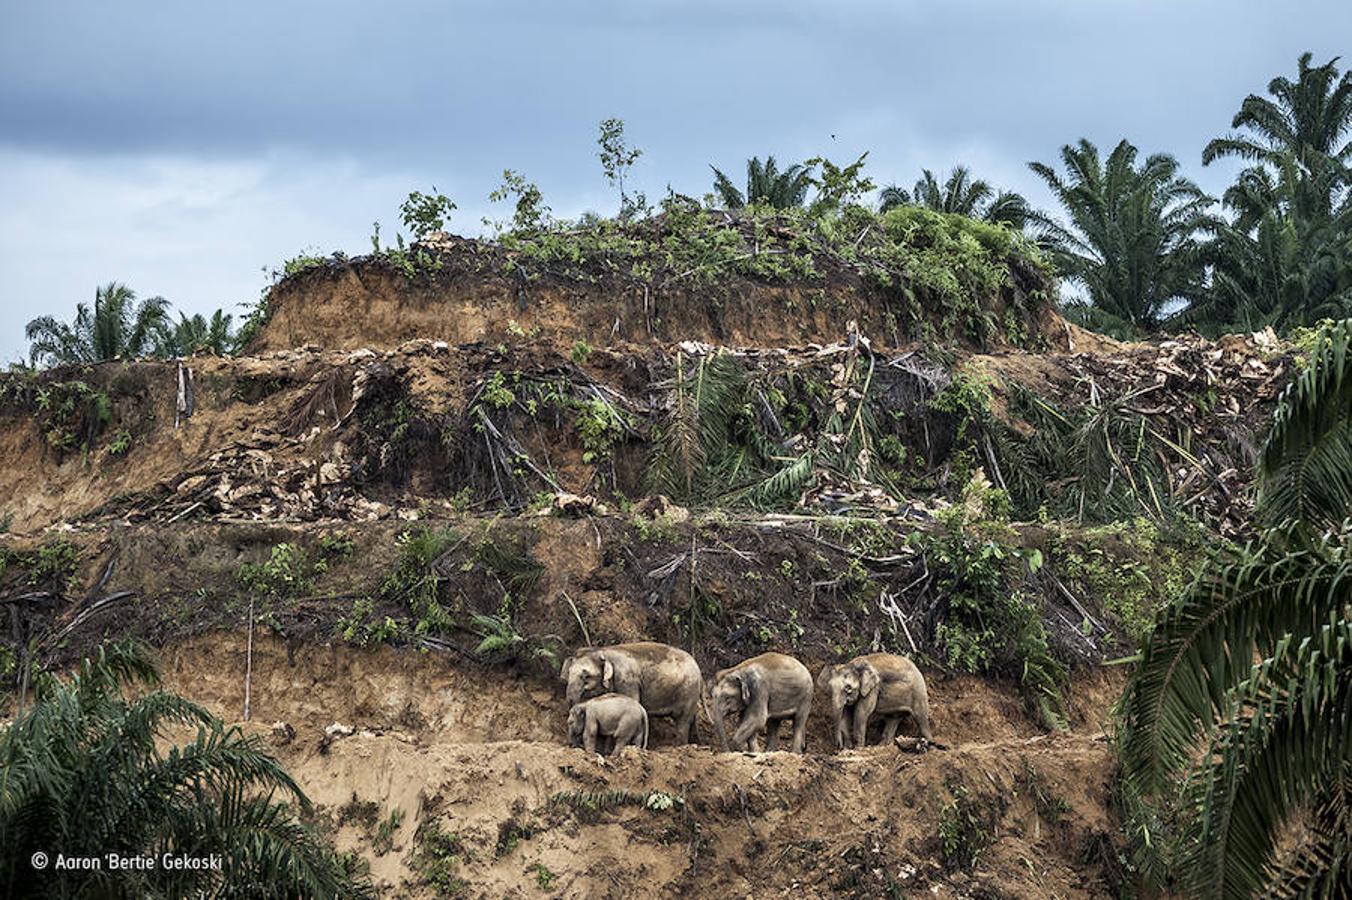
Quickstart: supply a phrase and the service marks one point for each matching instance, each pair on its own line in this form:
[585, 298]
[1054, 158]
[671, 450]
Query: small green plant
[120, 443]
[285, 574]
[598, 427]
[54, 564]
[1050, 807]
[437, 859]
[414, 581]
[424, 214]
[510, 834]
[963, 832]
[543, 877]
[581, 350]
[617, 158]
[530, 215]
[383, 841]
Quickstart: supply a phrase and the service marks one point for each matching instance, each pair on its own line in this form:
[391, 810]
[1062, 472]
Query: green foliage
[588, 805]
[383, 840]
[1133, 236]
[543, 877]
[71, 414]
[116, 328]
[765, 185]
[1307, 458]
[287, 573]
[617, 158]
[1285, 259]
[1221, 754]
[51, 566]
[837, 186]
[88, 772]
[964, 830]
[437, 859]
[120, 443]
[415, 581]
[960, 194]
[199, 334]
[423, 214]
[530, 215]
[988, 622]
[599, 426]
[1134, 566]
[581, 350]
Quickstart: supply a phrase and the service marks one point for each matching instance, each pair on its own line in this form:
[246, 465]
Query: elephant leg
[589, 737]
[685, 723]
[800, 726]
[890, 728]
[772, 735]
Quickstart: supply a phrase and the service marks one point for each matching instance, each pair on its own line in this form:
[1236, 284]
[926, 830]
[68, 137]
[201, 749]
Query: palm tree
[960, 194]
[1133, 239]
[200, 335]
[117, 327]
[1287, 253]
[1270, 267]
[1243, 693]
[1307, 121]
[86, 773]
[766, 185]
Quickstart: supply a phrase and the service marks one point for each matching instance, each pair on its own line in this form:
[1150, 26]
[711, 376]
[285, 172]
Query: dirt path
[474, 759]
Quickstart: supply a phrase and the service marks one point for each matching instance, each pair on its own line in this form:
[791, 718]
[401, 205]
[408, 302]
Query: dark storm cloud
[222, 137]
[472, 83]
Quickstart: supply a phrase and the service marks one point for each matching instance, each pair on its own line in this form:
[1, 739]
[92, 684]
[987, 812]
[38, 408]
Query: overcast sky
[184, 147]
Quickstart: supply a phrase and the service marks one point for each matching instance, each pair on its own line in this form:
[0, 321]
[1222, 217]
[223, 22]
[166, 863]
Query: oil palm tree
[961, 194]
[199, 334]
[85, 772]
[765, 184]
[1308, 120]
[117, 326]
[1287, 251]
[1133, 233]
[1243, 693]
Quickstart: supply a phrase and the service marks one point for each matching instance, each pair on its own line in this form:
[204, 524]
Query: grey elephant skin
[878, 684]
[608, 723]
[762, 692]
[665, 679]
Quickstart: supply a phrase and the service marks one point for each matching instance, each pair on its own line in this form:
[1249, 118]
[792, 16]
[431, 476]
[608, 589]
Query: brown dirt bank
[474, 763]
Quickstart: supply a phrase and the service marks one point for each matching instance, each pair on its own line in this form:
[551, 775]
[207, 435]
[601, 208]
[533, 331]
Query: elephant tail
[644, 745]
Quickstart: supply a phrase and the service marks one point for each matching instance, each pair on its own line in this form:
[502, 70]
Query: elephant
[882, 684]
[621, 719]
[765, 691]
[666, 680]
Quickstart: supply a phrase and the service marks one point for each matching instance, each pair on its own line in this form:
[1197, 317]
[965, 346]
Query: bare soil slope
[477, 760]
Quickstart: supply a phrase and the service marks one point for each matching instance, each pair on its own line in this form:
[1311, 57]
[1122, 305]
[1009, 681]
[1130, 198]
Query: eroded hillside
[423, 488]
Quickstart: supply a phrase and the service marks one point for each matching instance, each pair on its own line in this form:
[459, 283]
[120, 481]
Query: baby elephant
[612, 719]
[882, 684]
[764, 691]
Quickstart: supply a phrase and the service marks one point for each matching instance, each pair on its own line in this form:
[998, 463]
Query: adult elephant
[665, 679]
[762, 691]
[881, 684]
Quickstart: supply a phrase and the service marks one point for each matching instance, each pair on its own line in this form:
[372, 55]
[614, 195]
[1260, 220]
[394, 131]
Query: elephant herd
[612, 691]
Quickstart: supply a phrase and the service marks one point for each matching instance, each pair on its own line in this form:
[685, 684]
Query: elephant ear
[868, 680]
[563, 672]
[752, 685]
[608, 676]
[824, 677]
